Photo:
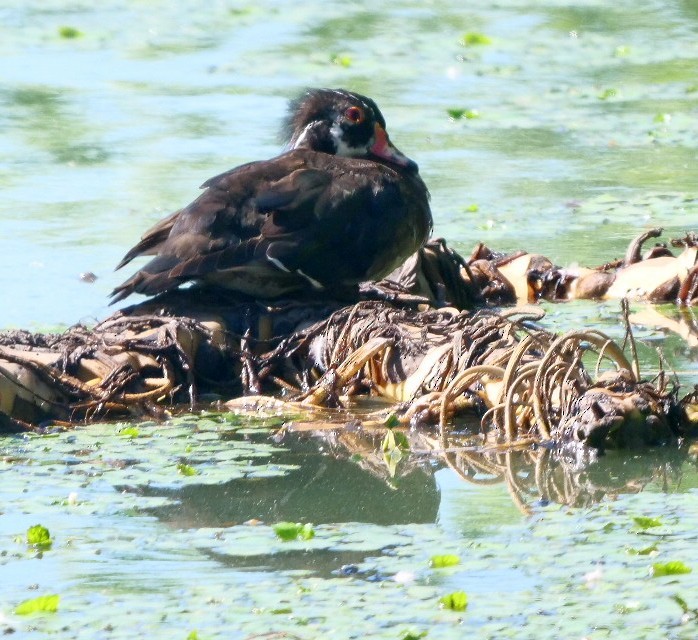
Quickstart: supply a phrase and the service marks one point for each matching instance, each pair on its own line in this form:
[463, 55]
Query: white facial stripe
[301, 138]
[343, 149]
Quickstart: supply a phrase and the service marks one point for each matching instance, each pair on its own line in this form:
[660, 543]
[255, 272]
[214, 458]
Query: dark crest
[315, 105]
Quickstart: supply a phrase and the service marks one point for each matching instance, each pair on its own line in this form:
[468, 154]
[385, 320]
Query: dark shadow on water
[324, 489]
[345, 486]
[340, 479]
[324, 563]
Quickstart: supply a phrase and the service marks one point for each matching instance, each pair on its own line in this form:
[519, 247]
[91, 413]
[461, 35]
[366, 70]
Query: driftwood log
[424, 341]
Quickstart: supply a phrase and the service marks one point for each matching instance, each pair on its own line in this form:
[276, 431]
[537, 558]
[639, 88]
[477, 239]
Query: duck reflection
[344, 476]
[329, 485]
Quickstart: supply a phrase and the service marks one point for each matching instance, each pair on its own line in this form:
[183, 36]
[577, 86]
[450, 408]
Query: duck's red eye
[354, 114]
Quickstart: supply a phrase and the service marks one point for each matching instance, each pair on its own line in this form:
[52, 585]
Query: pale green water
[586, 135]
[140, 550]
[103, 134]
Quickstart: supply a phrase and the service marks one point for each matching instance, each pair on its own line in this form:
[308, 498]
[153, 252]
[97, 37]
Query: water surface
[581, 135]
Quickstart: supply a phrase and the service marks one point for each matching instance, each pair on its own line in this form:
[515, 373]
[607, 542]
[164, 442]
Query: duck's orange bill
[383, 148]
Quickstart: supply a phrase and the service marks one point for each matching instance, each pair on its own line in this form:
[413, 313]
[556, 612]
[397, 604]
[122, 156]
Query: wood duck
[341, 206]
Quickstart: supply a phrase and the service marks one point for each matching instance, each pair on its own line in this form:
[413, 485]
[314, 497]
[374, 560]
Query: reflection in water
[343, 476]
[323, 489]
[573, 476]
[534, 477]
[539, 476]
[681, 321]
[319, 562]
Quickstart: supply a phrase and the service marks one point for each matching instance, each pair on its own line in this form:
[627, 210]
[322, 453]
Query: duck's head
[342, 123]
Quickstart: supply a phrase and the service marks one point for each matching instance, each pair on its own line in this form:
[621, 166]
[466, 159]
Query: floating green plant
[395, 447]
[647, 523]
[456, 601]
[69, 32]
[391, 421]
[673, 568]
[186, 469]
[645, 551]
[39, 536]
[474, 39]
[288, 531]
[468, 114]
[46, 604]
[340, 60]
[448, 560]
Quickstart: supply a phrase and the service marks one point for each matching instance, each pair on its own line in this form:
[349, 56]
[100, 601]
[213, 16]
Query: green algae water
[168, 531]
[559, 127]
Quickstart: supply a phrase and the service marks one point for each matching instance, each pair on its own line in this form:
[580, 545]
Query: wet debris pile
[410, 341]
[666, 272]
[442, 367]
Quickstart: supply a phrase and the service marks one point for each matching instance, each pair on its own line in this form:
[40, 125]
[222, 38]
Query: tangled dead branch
[410, 342]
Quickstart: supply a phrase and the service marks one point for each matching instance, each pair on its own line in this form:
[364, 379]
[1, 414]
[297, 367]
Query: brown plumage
[341, 206]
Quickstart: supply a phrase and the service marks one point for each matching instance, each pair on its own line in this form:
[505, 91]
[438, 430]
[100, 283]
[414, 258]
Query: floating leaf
[395, 439]
[468, 114]
[673, 568]
[456, 601]
[413, 635]
[186, 470]
[401, 440]
[341, 60]
[607, 93]
[647, 523]
[69, 32]
[129, 432]
[621, 51]
[39, 536]
[645, 551]
[47, 604]
[472, 208]
[294, 531]
[475, 39]
[392, 421]
[395, 445]
[448, 560]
